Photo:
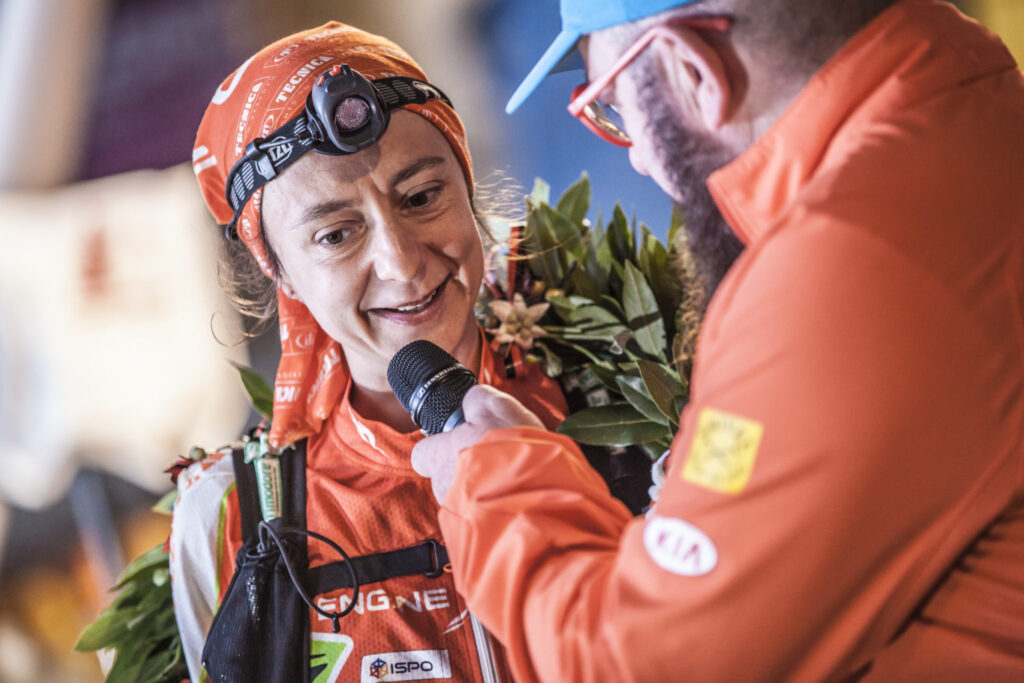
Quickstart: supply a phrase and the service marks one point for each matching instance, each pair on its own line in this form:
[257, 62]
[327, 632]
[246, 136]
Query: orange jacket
[847, 487]
[362, 493]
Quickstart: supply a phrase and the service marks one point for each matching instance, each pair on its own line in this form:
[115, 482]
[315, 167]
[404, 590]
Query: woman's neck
[381, 406]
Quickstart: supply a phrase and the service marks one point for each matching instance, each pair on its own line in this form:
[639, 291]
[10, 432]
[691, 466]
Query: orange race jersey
[846, 494]
[362, 493]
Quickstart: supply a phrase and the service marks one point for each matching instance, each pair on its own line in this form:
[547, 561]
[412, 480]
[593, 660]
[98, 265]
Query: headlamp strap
[398, 91]
[265, 158]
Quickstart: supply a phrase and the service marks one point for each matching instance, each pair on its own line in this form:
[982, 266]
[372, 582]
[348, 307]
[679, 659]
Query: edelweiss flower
[518, 321]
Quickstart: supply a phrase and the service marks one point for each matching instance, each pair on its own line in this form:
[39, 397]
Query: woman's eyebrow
[326, 208]
[322, 209]
[414, 168]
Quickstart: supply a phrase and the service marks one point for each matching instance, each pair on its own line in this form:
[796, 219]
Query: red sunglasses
[603, 120]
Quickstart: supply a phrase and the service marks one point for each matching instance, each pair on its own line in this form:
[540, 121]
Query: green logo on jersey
[328, 652]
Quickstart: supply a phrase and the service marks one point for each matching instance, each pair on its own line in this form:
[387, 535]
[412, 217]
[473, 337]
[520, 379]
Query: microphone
[430, 384]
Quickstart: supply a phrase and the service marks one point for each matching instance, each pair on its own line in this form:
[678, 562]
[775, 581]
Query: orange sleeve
[861, 450]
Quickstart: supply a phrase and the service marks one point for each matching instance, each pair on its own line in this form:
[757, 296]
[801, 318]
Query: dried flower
[518, 321]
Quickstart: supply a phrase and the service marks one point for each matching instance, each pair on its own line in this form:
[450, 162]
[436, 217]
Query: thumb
[488, 408]
[425, 455]
[480, 402]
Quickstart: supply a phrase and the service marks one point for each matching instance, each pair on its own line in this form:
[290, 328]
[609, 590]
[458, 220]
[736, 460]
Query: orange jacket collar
[895, 60]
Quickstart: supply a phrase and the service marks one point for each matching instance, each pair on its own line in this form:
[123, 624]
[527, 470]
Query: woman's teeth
[416, 308]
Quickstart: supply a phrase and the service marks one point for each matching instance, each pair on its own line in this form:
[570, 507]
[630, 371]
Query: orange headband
[263, 93]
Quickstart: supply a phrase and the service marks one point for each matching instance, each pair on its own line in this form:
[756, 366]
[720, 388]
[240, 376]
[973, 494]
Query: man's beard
[687, 158]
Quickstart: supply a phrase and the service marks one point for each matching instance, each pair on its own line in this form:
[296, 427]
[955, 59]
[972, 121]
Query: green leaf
[567, 236]
[541, 193]
[679, 403]
[643, 256]
[663, 386]
[576, 200]
[155, 664]
[565, 305]
[151, 559]
[541, 245]
[635, 391]
[675, 224]
[165, 506]
[594, 318]
[603, 256]
[620, 237]
[582, 282]
[552, 362]
[614, 425]
[596, 260]
[109, 628]
[642, 313]
[654, 449]
[677, 352]
[608, 377]
[131, 658]
[260, 394]
[176, 669]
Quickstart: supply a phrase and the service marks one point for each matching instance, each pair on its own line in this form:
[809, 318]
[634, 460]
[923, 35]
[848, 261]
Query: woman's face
[381, 246]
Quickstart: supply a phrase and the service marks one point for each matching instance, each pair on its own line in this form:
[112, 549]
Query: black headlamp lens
[351, 114]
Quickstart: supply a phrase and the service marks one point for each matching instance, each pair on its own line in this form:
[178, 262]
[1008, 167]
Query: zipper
[484, 651]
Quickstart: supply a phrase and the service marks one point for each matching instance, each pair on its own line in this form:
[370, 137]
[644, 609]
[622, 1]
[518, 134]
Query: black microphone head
[429, 383]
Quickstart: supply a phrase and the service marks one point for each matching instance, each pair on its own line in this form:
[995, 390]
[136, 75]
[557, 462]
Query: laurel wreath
[621, 317]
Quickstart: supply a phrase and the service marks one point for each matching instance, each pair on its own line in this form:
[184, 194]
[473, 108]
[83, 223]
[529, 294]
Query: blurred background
[114, 337]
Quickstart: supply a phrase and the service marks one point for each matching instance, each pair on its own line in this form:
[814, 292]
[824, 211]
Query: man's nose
[638, 160]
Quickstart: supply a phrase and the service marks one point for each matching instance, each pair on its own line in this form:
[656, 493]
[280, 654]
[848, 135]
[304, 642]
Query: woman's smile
[416, 312]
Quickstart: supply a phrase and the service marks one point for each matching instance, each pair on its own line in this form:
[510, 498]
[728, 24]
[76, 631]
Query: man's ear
[695, 76]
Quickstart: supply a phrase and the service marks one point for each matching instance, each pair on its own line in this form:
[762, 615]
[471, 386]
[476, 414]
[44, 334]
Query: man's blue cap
[580, 17]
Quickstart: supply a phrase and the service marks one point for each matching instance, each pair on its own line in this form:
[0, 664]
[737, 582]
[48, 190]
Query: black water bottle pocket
[259, 633]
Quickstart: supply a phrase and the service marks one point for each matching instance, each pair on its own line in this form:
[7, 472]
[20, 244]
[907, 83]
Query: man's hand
[485, 409]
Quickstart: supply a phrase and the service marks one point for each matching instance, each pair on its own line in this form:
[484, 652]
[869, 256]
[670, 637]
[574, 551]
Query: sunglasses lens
[607, 120]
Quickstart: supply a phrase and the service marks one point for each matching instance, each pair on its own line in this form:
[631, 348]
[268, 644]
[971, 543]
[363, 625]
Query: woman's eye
[334, 237]
[420, 199]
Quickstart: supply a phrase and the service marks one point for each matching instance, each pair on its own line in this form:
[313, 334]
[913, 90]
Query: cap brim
[551, 61]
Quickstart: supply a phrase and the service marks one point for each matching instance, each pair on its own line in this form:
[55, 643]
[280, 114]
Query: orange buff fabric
[261, 95]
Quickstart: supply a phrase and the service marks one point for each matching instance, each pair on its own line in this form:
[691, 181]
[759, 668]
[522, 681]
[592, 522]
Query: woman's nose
[396, 253]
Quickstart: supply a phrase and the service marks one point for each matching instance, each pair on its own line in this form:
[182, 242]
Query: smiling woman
[346, 190]
[392, 228]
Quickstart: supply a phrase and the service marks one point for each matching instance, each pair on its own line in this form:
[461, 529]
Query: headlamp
[344, 113]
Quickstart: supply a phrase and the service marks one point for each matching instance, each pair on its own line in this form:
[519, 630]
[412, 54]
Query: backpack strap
[293, 485]
[248, 496]
[428, 558]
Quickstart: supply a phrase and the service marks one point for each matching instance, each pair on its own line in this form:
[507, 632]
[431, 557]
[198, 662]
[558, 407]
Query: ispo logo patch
[410, 665]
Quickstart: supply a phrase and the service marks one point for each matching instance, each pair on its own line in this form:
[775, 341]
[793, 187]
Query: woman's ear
[695, 76]
[285, 285]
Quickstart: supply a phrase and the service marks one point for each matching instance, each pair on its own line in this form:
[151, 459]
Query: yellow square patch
[723, 451]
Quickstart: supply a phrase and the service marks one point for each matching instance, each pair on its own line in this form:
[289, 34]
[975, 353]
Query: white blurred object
[107, 358]
[20, 658]
[48, 50]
